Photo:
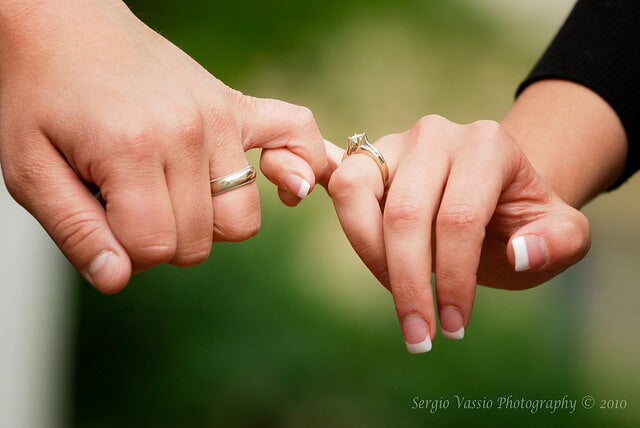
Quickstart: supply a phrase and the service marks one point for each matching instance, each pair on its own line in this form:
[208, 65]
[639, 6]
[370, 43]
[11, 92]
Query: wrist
[571, 136]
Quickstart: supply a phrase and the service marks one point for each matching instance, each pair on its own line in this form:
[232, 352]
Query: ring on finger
[358, 143]
[233, 181]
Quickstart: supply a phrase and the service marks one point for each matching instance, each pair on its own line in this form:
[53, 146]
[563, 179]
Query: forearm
[572, 137]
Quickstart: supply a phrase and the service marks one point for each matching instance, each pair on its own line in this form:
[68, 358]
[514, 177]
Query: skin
[572, 137]
[458, 195]
[91, 95]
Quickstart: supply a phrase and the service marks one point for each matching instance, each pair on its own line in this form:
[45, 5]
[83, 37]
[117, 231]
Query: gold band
[233, 181]
[358, 143]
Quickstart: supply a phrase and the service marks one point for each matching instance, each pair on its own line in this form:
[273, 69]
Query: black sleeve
[599, 47]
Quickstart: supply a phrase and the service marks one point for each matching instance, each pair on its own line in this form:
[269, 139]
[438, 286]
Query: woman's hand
[89, 95]
[463, 202]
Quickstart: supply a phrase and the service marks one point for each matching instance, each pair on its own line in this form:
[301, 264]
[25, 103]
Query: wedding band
[233, 181]
[358, 143]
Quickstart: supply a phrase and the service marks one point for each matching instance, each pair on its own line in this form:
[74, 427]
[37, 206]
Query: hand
[459, 200]
[91, 95]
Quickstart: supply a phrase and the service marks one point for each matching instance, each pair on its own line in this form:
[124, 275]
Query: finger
[289, 172]
[74, 219]
[236, 213]
[187, 175]
[474, 184]
[356, 190]
[272, 124]
[139, 208]
[410, 207]
[292, 174]
[552, 242]
[334, 155]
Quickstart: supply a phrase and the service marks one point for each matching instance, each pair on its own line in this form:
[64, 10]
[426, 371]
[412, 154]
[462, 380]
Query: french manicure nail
[530, 252]
[451, 323]
[297, 185]
[416, 335]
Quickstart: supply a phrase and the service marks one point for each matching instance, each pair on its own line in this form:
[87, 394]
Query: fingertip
[416, 334]
[108, 272]
[452, 323]
[530, 252]
[292, 174]
[297, 185]
[288, 198]
[303, 191]
[419, 348]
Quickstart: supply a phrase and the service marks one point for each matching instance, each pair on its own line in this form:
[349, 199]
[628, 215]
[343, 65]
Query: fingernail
[530, 252]
[416, 335]
[102, 269]
[451, 323]
[296, 185]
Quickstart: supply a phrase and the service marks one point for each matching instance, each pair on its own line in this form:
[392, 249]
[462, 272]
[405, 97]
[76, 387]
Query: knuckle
[20, 180]
[73, 232]
[458, 216]
[431, 129]
[487, 132]
[188, 130]
[431, 120]
[487, 126]
[23, 168]
[303, 118]
[195, 254]
[405, 215]
[428, 123]
[344, 182]
[411, 292]
[303, 125]
[148, 246]
[452, 285]
[238, 228]
[153, 254]
[135, 142]
[144, 135]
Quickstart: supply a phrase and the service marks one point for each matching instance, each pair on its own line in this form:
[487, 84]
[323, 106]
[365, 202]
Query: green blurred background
[288, 329]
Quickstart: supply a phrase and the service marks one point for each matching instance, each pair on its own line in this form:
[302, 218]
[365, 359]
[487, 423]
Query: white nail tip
[303, 192]
[456, 335]
[419, 348]
[521, 254]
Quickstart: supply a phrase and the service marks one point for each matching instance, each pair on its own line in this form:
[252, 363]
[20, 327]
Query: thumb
[553, 242]
[72, 216]
[271, 124]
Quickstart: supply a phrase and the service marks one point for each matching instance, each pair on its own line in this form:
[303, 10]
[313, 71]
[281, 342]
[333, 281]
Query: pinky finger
[289, 172]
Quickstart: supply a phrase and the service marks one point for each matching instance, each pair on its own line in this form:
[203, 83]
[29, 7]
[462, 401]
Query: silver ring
[358, 143]
[233, 181]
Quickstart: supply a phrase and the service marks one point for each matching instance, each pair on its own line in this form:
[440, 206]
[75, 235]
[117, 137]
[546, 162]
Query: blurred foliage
[236, 342]
[229, 37]
[261, 335]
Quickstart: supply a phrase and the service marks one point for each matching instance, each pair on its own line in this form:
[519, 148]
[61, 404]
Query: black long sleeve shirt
[599, 47]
